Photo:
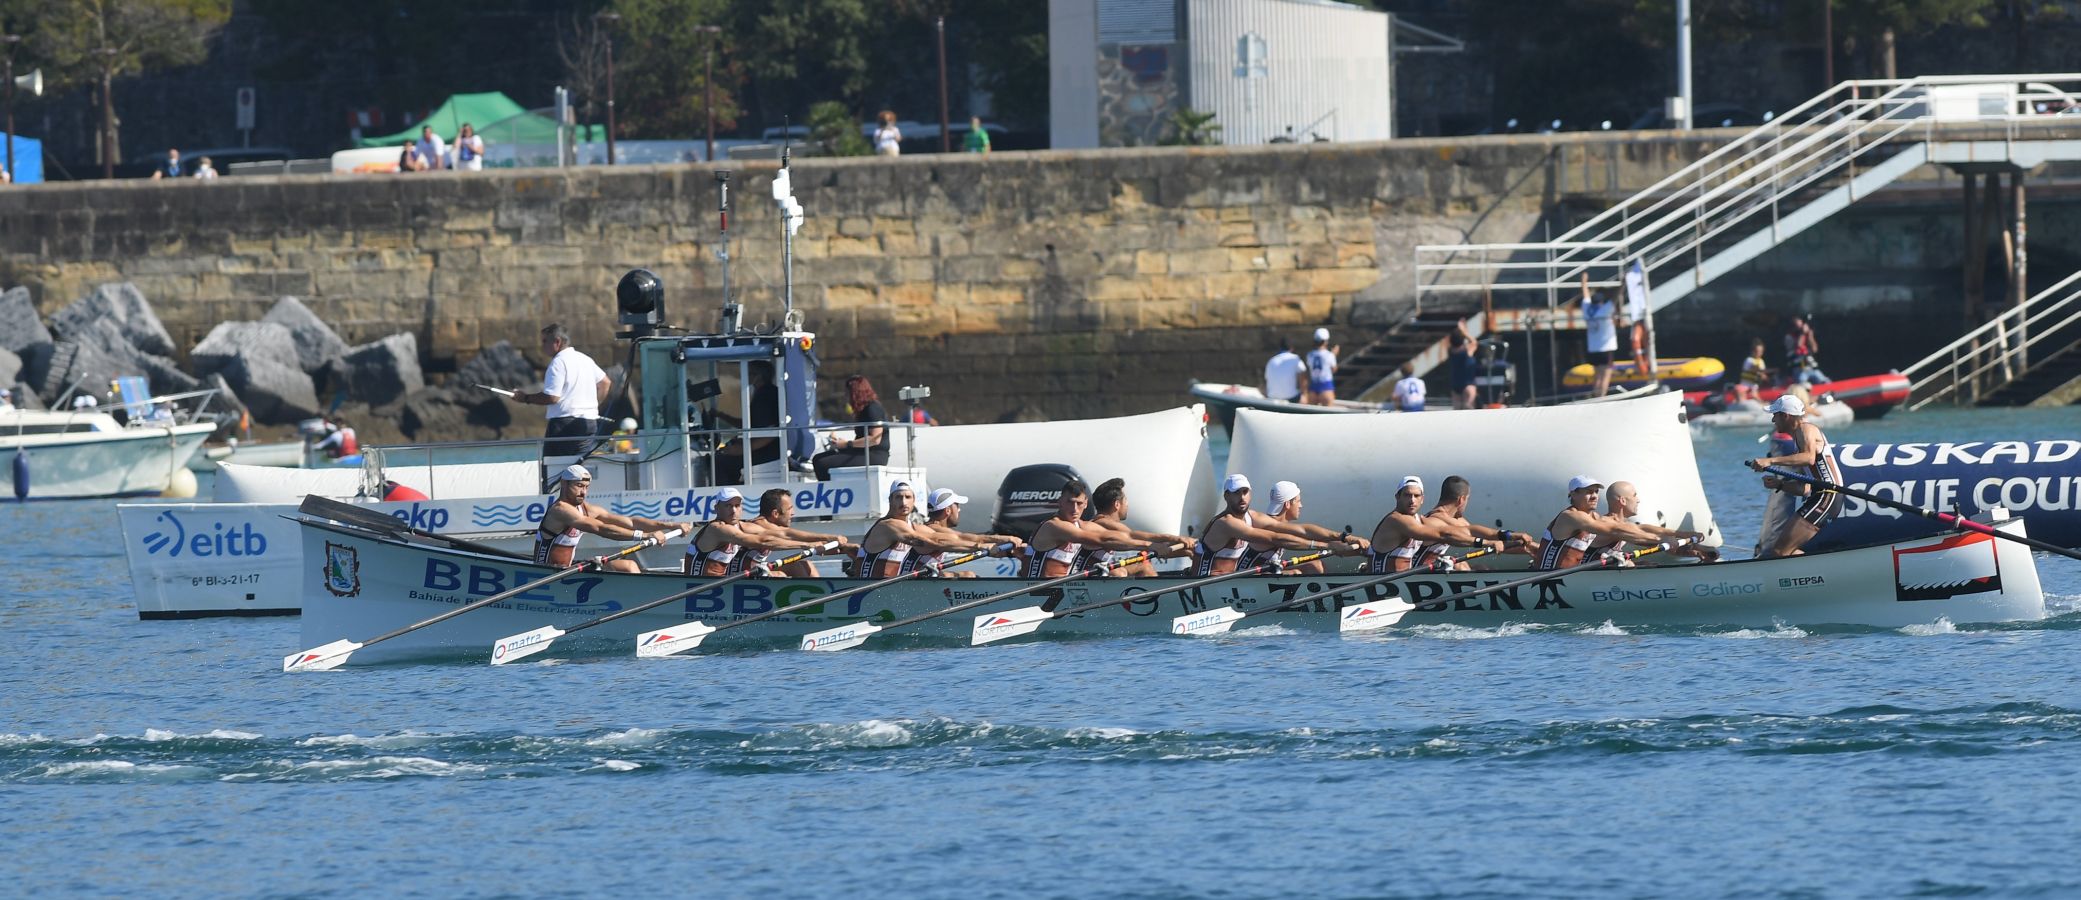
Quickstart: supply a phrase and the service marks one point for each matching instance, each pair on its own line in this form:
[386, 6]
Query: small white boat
[357, 584]
[1828, 413]
[276, 454]
[1224, 399]
[73, 454]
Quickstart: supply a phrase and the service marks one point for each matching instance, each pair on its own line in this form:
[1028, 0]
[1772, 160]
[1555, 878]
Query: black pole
[610, 100]
[946, 144]
[708, 89]
[11, 40]
[108, 119]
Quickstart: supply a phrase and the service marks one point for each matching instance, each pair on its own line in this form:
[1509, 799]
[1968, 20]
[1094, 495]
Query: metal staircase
[2028, 355]
[1760, 190]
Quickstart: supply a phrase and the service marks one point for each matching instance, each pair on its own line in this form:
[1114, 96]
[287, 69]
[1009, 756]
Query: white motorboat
[278, 454]
[1827, 413]
[80, 453]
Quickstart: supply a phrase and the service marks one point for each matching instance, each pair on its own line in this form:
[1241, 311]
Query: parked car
[1704, 115]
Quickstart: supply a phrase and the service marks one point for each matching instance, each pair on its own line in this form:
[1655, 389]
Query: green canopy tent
[477, 109]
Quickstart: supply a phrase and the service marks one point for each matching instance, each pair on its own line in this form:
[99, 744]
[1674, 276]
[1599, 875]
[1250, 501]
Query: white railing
[1998, 352]
[1826, 140]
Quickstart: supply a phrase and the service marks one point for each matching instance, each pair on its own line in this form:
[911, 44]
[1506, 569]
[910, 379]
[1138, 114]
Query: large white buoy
[180, 486]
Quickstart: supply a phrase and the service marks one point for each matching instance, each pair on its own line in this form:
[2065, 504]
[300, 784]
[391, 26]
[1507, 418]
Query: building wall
[1319, 61]
[1073, 74]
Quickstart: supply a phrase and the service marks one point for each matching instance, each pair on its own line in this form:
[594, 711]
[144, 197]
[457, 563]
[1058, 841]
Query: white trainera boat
[358, 584]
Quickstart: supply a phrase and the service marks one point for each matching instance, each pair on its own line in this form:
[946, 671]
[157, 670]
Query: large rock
[316, 343]
[20, 327]
[10, 366]
[231, 340]
[105, 354]
[499, 365]
[276, 393]
[122, 306]
[384, 372]
[25, 396]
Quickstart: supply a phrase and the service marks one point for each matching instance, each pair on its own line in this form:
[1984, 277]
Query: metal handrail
[1989, 342]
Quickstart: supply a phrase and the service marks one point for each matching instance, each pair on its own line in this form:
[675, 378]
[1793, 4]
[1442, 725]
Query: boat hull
[1869, 396]
[1752, 414]
[1224, 399]
[129, 463]
[356, 585]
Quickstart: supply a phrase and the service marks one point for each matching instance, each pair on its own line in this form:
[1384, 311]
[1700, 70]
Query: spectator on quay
[1409, 392]
[431, 148]
[978, 140]
[171, 168]
[409, 160]
[6, 177]
[205, 170]
[887, 140]
[469, 150]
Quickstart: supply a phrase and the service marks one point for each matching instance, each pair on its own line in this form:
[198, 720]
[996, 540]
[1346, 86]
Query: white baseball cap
[1322, 334]
[1235, 482]
[1410, 481]
[1283, 491]
[942, 498]
[1789, 405]
[727, 495]
[1580, 482]
[898, 487]
[573, 472]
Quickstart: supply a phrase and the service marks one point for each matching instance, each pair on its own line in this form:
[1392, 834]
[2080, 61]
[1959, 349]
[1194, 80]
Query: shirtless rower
[1811, 451]
[1572, 533]
[1622, 502]
[726, 546]
[556, 536]
[887, 549]
[1286, 516]
[1454, 495]
[942, 514]
[1109, 505]
[1404, 532]
[1066, 543]
[1239, 539]
[776, 518]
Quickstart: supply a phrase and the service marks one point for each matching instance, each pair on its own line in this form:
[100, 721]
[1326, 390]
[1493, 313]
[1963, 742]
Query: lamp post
[610, 19]
[1827, 44]
[108, 113]
[11, 40]
[714, 33]
[946, 144]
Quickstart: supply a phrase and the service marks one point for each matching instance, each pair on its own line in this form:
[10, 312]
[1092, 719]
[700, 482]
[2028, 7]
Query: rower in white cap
[942, 514]
[726, 546]
[1811, 451]
[1322, 371]
[1236, 539]
[885, 550]
[1286, 516]
[1404, 531]
[1571, 534]
[556, 536]
[1109, 511]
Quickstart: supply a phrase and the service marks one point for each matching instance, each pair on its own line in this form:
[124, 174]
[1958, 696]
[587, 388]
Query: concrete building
[1267, 69]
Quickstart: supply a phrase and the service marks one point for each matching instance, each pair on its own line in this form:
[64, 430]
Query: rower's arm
[639, 523]
[932, 541]
[1629, 532]
[1802, 453]
[1279, 539]
[607, 529]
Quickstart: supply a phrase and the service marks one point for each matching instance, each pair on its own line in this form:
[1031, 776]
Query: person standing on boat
[1812, 452]
[1067, 543]
[1109, 511]
[1454, 495]
[339, 442]
[1462, 366]
[1237, 539]
[1602, 333]
[1622, 502]
[942, 514]
[1322, 371]
[776, 518]
[1284, 375]
[556, 536]
[1404, 532]
[1286, 516]
[1409, 391]
[869, 445]
[727, 546]
[573, 387]
[886, 549]
[1572, 533]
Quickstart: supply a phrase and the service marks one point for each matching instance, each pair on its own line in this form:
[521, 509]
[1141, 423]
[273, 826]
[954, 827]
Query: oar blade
[1213, 621]
[321, 658]
[844, 637]
[668, 641]
[1008, 624]
[521, 646]
[1372, 615]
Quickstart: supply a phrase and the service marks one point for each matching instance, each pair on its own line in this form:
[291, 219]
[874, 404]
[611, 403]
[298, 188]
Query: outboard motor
[1028, 495]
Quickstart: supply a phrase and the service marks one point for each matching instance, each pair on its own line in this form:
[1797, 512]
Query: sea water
[175, 758]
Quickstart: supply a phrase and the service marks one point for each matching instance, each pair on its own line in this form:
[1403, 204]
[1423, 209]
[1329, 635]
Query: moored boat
[1869, 396]
[1756, 414]
[357, 584]
[1677, 373]
[1224, 399]
[75, 454]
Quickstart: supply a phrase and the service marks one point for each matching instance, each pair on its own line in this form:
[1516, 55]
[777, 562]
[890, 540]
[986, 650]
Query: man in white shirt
[1409, 391]
[1282, 375]
[1598, 310]
[573, 387]
[432, 149]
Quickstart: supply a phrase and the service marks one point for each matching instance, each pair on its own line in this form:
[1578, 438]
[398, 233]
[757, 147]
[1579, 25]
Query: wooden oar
[688, 635]
[1955, 521]
[331, 656]
[845, 637]
[526, 644]
[1026, 619]
[1350, 621]
[1219, 621]
[373, 520]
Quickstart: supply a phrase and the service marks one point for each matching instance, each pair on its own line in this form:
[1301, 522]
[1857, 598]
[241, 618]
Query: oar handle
[841, 595]
[650, 541]
[1086, 573]
[1953, 520]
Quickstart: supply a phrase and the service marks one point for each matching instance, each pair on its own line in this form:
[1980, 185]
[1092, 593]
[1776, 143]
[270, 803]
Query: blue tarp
[28, 160]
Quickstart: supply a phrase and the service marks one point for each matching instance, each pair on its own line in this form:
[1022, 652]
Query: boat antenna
[730, 311]
[790, 222]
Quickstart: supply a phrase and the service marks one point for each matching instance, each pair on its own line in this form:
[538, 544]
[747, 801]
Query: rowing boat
[358, 583]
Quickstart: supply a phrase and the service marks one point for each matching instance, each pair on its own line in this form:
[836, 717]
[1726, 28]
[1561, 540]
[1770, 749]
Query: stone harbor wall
[1019, 285]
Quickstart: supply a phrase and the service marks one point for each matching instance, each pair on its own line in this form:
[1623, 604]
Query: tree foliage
[1191, 128]
[832, 124]
[69, 36]
[659, 56]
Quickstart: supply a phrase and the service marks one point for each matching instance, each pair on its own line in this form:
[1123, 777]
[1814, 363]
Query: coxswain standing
[776, 518]
[1622, 502]
[942, 514]
[1404, 533]
[1237, 539]
[1810, 450]
[726, 546]
[556, 536]
[1286, 516]
[1454, 495]
[1574, 532]
[1066, 543]
[887, 547]
[1109, 511]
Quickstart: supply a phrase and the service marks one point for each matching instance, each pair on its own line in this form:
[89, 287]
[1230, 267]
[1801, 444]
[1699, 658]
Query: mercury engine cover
[1028, 495]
